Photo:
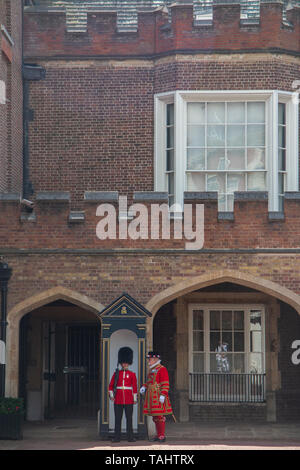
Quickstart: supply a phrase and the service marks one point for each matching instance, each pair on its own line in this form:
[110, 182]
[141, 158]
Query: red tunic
[126, 392]
[157, 385]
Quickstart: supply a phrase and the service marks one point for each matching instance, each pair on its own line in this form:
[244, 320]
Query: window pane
[235, 112]
[198, 363]
[239, 342]
[255, 135]
[198, 341]
[238, 320]
[171, 183]
[216, 136]
[255, 112]
[227, 340]
[170, 114]
[170, 160]
[280, 183]
[281, 136]
[281, 160]
[235, 182]
[170, 137]
[198, 320]
[256, 182]
[227, 320]
[196, 113]
[196, 136]
[216, 159]
[216, 113]
[236, 136]
[256, 159]
[195, 182]
[195, 159]
[215, 338]
[238, 363]
[281, 113]
[216, 182]
[236, 159]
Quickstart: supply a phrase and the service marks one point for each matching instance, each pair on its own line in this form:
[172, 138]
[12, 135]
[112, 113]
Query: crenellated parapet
[108, 29]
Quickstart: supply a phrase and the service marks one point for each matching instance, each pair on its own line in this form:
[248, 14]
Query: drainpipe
[5, 274]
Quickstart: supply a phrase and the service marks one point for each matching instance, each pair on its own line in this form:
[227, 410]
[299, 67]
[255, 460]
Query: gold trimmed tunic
[157, 384]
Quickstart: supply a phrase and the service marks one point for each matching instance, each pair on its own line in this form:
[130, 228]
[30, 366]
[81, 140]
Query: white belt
[124, 388]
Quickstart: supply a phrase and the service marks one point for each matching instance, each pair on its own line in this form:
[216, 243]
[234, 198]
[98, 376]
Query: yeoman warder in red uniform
[157, 403]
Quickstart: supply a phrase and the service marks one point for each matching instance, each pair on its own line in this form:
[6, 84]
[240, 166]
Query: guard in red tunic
[123, 392]
[157, 403]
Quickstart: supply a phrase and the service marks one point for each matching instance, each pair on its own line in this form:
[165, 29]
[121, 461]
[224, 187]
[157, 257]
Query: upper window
[226, 142]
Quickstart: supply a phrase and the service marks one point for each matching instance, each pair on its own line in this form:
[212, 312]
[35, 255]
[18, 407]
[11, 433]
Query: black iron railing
[227, 388]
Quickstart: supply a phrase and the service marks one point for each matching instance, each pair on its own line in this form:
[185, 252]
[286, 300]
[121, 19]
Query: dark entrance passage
[59, 362]
[81, 372]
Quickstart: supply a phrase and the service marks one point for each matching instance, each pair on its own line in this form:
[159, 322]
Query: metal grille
[81, 371]
[230, 388]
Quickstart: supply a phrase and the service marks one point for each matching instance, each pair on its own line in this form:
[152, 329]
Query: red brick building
[163, 105]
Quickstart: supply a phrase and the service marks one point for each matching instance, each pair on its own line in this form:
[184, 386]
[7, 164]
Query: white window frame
[271, 98]
[206, 308]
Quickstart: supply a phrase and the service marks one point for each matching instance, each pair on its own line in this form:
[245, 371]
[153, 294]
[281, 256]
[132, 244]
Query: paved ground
[82, 435]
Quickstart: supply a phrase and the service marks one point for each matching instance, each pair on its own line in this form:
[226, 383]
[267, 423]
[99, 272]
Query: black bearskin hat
[125, 355]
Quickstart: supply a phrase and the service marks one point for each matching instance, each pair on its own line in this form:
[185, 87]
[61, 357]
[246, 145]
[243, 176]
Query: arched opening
[59, 361]
[231, 346]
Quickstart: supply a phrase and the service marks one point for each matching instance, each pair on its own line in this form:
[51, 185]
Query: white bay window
[226, 142]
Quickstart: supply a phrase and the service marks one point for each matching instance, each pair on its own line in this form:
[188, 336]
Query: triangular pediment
[125, 306]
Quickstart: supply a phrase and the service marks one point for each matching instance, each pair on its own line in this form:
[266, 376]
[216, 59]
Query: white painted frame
[271, 98]
[206, 308]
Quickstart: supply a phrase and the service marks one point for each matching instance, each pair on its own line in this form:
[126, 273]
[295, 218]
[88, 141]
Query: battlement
[162, 30]
[127, 10]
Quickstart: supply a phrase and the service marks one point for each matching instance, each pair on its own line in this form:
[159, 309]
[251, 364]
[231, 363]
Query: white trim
[271, 98]
[206, 308]
[292, 139]
[273, 153]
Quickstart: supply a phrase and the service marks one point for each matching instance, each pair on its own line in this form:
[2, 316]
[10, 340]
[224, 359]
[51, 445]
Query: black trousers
[118, 419]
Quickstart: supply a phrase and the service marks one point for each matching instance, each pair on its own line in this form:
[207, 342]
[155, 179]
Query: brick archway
[216, 277]
[17, 313]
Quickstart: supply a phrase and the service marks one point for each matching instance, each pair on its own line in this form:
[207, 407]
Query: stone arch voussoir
[216, 277]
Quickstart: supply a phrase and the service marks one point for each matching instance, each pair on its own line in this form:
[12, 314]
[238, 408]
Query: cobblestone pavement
[82, 434]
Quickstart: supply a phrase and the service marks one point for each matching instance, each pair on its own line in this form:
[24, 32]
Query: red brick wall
[11, 114]
[3, 109]
[90, 121]
[102, 39]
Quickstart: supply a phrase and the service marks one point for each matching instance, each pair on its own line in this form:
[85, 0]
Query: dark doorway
[59, 362]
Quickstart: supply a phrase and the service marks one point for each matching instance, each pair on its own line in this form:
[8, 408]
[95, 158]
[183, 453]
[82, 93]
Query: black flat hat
[153, 354]
[125, 355]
